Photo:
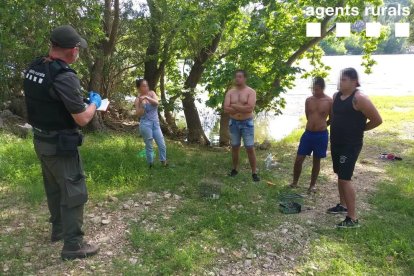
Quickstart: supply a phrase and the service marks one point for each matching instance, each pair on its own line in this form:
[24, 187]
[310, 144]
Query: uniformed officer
[55, 110]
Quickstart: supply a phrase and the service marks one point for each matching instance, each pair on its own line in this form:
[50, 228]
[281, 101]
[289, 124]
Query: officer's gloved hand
[95, 98]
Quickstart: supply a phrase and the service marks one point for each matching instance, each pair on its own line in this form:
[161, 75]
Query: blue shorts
[242, 129]
[314, 141]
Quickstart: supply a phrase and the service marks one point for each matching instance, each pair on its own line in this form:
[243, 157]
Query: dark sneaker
[348, 223]
[78, 252]
[151, 165]
[255, 177]
[338, 209]
[233, 173]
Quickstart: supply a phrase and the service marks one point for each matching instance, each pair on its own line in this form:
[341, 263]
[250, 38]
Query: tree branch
[127, 68]
[311, 42]
[107, 16]
[114, 28]
[198, 67]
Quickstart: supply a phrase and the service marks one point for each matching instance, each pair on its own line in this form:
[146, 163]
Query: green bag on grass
[143, 154]
[290, 207]
[290, 203]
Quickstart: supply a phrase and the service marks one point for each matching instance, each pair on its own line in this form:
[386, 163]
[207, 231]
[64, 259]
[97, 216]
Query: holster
[68, 143]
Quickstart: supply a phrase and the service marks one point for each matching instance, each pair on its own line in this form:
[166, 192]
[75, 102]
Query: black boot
[84, 250]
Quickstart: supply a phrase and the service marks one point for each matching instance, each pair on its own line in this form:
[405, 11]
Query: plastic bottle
[269, 161]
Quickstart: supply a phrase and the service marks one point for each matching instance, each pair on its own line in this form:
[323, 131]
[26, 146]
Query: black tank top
[348, 124]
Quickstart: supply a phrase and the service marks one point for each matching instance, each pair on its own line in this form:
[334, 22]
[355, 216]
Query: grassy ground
[114, 168]
[186, 240]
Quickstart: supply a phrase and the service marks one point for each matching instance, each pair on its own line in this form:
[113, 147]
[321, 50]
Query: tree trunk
[18, 106]
[107, 46]
[151, 72]
[170, 120]
[224, 129]
[165, 128]
[95, 84]
[195, 130]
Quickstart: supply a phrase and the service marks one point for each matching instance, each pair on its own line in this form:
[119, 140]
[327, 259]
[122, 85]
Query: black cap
[352, 74]
[67, 37]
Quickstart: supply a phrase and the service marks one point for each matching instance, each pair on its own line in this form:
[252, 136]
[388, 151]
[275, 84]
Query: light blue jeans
[242, 129]
[151, 130]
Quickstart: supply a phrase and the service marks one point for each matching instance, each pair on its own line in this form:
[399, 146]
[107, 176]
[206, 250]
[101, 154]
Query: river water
[392, 75]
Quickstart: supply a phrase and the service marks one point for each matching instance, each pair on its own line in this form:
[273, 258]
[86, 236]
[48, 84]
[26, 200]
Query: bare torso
[317, 112]
[241, 97]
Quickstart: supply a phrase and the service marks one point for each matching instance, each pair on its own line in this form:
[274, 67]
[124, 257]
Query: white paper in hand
[104, 105]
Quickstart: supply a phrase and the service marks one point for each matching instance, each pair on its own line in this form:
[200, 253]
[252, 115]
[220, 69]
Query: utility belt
[67, 143]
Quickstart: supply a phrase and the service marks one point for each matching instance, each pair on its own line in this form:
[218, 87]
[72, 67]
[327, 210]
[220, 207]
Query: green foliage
[263, 40]
[265, 37]
[354, 45]
[25, 31]
[392, 46]
[387, 43]
[319, 69]
[333, 46]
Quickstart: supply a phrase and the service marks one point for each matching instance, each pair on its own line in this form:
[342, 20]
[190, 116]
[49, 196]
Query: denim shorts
[242, 129]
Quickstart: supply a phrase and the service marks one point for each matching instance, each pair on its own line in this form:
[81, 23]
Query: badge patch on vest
[35, 76]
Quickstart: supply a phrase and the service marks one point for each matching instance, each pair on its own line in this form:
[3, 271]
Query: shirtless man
[239, 103]
[315, 139]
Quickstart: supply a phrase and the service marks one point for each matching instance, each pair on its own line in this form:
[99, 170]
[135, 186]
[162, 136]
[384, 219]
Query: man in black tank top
[352, 114]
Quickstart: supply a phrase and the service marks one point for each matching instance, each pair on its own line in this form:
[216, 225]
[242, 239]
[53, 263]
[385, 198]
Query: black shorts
[344, 158]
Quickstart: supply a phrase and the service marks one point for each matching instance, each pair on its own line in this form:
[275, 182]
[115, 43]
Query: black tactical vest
[44, 111]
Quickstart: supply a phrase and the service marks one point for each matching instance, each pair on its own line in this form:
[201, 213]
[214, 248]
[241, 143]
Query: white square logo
[402, 29]
[313, 29]
[343, 29]
[373, 29]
